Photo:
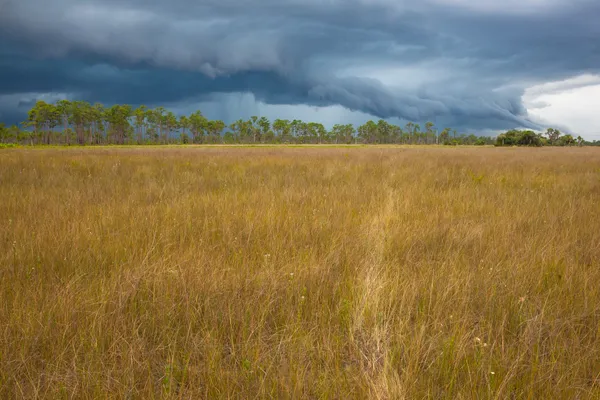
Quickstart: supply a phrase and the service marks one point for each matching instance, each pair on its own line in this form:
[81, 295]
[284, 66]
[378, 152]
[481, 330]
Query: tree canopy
[68, 122]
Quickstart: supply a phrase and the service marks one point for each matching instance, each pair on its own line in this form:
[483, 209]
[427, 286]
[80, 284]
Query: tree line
[552, 137]
[78, 122]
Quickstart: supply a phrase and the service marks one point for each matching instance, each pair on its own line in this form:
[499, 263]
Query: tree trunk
[65, 129]
[80, 135]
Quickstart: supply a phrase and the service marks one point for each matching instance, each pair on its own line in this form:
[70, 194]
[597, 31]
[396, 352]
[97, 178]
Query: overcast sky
[477, 65]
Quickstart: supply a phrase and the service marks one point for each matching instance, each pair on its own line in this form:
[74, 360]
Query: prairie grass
[335, 273]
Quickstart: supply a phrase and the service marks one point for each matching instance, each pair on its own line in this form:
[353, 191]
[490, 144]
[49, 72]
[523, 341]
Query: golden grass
[272, 272]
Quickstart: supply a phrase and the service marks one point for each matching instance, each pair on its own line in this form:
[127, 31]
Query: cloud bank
[456, 62]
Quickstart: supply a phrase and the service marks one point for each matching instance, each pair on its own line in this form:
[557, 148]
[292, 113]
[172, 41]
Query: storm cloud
[457, 62]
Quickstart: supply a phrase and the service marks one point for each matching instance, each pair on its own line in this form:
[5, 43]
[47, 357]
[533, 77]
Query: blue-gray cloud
[452, 61]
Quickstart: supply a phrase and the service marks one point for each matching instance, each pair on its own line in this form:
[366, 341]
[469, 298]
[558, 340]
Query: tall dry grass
[333, 273]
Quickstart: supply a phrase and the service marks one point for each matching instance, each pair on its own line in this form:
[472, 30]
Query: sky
[480, 66]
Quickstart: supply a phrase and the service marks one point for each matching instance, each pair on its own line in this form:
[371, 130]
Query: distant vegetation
[530, 138]
[78, 122]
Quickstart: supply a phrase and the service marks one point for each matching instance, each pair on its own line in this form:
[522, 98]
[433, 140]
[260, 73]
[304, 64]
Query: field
[373, 272]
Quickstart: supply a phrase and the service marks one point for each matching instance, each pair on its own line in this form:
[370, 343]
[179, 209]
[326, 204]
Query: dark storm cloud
[458, 64]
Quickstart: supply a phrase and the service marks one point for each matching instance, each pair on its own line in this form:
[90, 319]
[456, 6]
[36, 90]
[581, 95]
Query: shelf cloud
[456, 62]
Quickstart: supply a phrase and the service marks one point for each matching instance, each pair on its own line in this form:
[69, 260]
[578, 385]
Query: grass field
[390, 273]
